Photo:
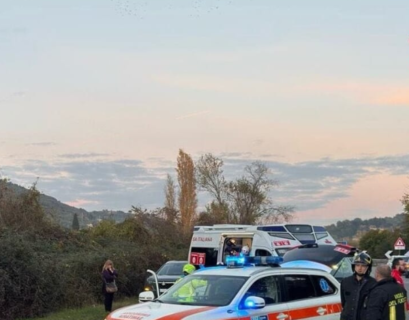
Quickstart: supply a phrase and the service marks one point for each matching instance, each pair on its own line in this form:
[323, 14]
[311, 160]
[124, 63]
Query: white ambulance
[211, 244]
[245, 291]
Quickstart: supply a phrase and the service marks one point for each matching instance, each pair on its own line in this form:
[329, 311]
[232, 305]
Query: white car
[246, 293]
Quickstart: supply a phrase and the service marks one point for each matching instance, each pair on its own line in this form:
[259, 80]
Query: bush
[44, 268]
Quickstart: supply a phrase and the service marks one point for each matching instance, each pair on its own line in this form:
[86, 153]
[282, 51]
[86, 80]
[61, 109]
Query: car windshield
[171, 269]
[343, 269]
[204, 290]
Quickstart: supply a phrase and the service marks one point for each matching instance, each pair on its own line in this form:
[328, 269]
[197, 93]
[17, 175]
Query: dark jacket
[108, 276]
[386, 301]
[353, 294]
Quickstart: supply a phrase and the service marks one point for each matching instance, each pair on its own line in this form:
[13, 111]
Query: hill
[63, 213]
[349, 229]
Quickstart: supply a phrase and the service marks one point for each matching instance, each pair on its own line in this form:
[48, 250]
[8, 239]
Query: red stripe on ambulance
[182, 314]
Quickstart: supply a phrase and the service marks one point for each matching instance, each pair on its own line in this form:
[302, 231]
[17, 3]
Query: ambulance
[211, 244]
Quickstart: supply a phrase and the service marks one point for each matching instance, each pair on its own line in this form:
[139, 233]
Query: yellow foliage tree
[187, 190]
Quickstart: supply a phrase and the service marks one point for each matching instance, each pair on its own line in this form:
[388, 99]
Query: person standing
[387, 299]
[109, 274]
[355, 288]
[398, 268]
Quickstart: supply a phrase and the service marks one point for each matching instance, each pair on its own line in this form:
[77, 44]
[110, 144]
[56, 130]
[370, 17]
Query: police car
[245, 292]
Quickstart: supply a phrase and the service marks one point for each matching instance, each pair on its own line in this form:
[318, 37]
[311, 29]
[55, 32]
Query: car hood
[156, 310]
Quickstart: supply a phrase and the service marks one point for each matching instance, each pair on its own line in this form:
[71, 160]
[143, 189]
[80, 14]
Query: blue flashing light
[249, 304]
[235, 261]
[266, 260]
[240, 261]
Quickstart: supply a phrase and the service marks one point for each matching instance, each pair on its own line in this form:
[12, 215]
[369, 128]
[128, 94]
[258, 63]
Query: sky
[98, 96]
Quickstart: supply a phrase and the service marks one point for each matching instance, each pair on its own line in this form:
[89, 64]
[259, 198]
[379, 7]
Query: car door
[269, 288]
[311, 297]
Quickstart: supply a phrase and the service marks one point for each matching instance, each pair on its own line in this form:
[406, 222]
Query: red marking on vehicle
[198, 258]
[175, 316]
[316, 311]
[182, 314]
[342, 250]
[281, 243]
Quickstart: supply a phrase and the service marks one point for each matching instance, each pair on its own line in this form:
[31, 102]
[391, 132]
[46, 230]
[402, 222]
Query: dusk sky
[97, 97]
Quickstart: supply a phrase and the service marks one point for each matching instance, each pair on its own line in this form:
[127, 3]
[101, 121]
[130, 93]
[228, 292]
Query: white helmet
[245, 250]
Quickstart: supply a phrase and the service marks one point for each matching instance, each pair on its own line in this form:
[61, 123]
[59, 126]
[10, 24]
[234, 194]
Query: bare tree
[187, 190]
[209, 173]
[170, 209]
[250, 198]
[245, 200]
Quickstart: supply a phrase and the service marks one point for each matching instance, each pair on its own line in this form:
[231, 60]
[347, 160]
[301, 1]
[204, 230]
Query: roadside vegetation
[45, 268]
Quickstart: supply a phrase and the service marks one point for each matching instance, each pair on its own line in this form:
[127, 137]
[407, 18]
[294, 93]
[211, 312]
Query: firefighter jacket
[386, 301]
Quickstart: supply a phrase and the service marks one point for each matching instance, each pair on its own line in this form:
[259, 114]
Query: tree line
[243, 200]
[45, 267]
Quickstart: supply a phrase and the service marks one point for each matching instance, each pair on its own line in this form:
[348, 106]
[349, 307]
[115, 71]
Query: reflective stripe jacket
[386, 301]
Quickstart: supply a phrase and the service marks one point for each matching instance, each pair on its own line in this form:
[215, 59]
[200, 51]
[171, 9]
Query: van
[211, 244]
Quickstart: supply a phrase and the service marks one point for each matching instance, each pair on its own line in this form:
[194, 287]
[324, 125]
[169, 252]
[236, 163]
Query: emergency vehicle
[247, 288]
[210, 244]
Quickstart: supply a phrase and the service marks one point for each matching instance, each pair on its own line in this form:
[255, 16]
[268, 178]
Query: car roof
[248, 271]
[398, 257]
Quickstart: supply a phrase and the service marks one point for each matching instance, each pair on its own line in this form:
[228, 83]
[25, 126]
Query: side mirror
[254, 302]
[146, 296]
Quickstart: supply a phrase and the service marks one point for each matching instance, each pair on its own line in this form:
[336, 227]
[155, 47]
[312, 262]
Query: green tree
[75, 223]
[378, 242]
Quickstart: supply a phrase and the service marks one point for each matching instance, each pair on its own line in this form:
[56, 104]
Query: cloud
[13, 96]
[394, 99]
[41, 144]
[313, 187]
[82, 155]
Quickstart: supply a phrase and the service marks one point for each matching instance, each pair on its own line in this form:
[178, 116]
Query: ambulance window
[281, 235]
[267, 288]
[299, 287]
[321, 235]
[323, 286]
[262, 253]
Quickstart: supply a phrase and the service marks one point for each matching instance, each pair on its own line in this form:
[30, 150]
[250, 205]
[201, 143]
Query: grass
[95, 312]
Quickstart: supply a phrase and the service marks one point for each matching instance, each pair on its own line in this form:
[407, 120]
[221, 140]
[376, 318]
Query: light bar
[240, 261]
[235, 261]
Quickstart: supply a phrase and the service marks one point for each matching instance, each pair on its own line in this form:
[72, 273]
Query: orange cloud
[79, 203]
[372, 196]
